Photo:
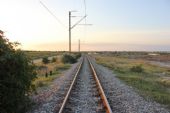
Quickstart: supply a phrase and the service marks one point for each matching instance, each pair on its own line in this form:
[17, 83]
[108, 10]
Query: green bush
[17, 73]
[137, 69]
[45, 60]
[68, 59]
[77, 55]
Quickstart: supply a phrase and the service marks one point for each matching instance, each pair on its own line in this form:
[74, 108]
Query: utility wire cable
[85, 9]
[85, 22]
[52, 14]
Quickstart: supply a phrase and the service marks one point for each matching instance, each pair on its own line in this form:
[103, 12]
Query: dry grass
[40, 54]
[152, 82]
[56, 68]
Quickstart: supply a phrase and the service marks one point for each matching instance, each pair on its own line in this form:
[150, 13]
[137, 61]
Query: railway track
[85, 94]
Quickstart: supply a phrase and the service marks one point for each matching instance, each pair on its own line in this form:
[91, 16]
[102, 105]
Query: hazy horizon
[124, 25]
[100, 47]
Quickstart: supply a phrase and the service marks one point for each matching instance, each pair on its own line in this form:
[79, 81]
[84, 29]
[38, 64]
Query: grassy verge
[48, 73]
[43, 81]
[151, 81]
[62, 67]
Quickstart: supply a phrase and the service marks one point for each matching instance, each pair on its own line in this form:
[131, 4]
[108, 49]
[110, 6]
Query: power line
[52, 13]
[85, 22]
[79, 21]
[72, 26]
[85, 9]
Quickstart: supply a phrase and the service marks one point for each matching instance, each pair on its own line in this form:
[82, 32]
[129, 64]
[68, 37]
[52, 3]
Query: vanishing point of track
[85, 93]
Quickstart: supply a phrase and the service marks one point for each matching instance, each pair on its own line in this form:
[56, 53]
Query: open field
[40, 54]
[150, 80]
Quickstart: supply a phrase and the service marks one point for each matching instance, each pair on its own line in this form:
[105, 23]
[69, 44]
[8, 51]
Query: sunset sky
[132, 25]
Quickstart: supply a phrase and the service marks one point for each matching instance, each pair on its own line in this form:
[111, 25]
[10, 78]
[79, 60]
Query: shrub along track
[85, 94]
[122, 98]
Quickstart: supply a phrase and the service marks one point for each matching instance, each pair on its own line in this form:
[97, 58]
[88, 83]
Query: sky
[117, 25]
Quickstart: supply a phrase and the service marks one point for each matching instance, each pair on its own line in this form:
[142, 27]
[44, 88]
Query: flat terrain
[40, 54]
[132, 84]
[151, 80]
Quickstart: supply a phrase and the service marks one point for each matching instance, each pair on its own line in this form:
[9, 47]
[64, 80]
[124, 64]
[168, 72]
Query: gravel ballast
[123, 98]
[49, 99]
[84, 97]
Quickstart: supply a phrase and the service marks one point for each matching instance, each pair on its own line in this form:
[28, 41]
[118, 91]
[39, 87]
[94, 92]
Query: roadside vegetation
[46, 77]
[45, 60]
[48, 70]
[151, 81]
[17, 73]
[67, 58]
[20, 77]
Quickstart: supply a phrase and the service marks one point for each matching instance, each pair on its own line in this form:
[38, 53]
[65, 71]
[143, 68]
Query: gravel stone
[123, 98]
[84, 97]
[49, 99]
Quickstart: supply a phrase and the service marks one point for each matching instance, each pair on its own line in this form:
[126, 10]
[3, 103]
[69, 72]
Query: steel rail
[101, 92]
[100, 89]
[71, 86]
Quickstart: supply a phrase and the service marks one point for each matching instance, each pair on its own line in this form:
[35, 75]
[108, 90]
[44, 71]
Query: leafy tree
[45, 60]
[17, 72]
